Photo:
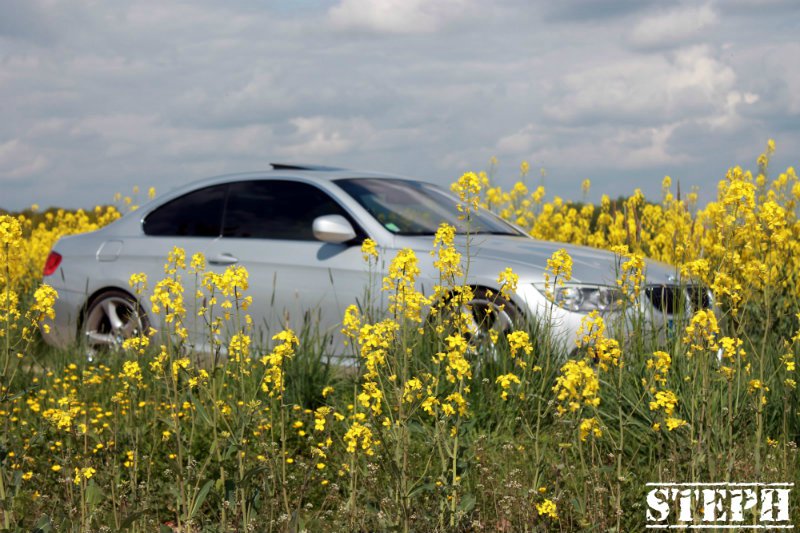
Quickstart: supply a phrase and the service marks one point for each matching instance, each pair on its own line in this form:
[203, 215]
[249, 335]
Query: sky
[99, 96]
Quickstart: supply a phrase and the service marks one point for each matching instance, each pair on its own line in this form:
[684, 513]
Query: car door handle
[223, 259]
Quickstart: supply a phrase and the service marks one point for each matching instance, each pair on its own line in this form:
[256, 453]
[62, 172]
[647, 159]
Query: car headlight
[583, 298]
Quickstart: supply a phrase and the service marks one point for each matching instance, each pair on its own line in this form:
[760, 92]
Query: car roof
[294, 171]
[312, 173]
[301, 172]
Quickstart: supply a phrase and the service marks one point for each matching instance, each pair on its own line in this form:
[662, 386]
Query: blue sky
[99, 96]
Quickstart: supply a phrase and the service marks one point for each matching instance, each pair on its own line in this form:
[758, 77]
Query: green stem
[6, 514]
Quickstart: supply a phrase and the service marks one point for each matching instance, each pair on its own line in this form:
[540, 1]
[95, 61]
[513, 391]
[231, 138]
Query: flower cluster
[577, 385]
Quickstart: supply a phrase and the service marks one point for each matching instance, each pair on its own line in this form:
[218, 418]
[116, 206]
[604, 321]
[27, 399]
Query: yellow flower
[701, 332]
[756, 384]
[505, 382]
[519, 341]
[404, 299]
[468, 189]
[448, 260]
[411, 390]
[590, 426]
[547, 508]
[273, 381]
[578, 384]
[44, 300]
[369, 250]
[239, 348]
[351, 323]
[674, 423]
[660, 362]
[508, 282]
[631, 272]
[731, 348]
[591, 335]
[131, 372]
[83, 474]
[665, 400]
[559, 266]
[178, 365]
[359, 436]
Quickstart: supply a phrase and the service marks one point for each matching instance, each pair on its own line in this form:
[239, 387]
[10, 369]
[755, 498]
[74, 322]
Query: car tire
[112, 317]
[488, 311]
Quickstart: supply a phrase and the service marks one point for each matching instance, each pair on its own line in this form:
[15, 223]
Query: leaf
[232, 449]
[467, 503]
[245, 481]
[131, 518]
[201, 410]
[94, 494]
[201, 497]
[427, 487]
[43, 525]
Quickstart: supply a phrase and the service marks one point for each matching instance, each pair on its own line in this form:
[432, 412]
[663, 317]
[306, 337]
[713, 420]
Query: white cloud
[318, 137]
[729, 117]
[644, 89]
[111, 94]
[397, 16]
[671, 28]
[19, 160]
[629, 149]
[516, 143]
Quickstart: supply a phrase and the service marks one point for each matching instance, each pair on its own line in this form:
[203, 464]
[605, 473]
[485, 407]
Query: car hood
[528, 258]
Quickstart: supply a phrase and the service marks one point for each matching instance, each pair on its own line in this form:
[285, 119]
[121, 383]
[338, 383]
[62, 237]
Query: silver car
[297, 229]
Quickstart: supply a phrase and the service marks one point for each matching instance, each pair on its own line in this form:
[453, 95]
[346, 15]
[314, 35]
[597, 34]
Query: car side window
[195, 214]
[276, 209]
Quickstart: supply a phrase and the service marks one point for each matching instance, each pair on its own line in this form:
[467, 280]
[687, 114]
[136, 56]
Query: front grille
[672, 299]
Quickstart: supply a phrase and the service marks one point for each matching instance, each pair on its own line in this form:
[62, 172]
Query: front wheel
[487, 317]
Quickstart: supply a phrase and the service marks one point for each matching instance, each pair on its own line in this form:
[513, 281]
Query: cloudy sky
[101, 95]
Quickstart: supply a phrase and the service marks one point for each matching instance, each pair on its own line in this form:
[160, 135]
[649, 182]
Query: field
[422, 435]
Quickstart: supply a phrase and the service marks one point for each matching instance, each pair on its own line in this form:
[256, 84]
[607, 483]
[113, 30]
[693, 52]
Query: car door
[295, 280]
[192, 222]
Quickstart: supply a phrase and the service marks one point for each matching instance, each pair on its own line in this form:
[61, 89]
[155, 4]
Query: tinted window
[196, 214]
[275, 209]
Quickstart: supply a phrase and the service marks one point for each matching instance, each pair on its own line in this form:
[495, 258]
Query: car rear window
[195, 214]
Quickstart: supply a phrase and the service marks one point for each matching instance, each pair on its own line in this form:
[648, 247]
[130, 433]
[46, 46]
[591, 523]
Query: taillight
[53, 260]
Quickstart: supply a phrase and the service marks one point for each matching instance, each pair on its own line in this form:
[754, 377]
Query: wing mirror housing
[334, 229]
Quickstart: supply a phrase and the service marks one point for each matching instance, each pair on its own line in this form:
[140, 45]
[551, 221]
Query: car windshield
[414, 208]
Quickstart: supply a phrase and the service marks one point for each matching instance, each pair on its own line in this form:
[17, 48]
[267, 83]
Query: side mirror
[334, 229]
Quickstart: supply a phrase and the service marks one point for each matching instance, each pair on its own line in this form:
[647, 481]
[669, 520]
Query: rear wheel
[111, 318]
